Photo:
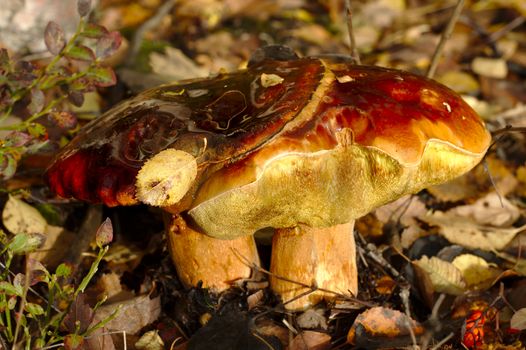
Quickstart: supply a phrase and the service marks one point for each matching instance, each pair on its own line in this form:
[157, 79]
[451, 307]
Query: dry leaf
[310, 340]
[467, 233]
[491, 209]
[134, 314]
[176, 65]
[268, 328]
[461, 82]
[109, 284]
[490, 67]
[311, 319]
[20, 217]
[150, 341]
[476, 271]
[444, 276]
[312, 33]
[404, 210]
[58, 242]
[518, 320]
[381, 322]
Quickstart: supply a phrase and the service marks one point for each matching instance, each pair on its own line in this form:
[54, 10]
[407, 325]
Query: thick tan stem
[215, 262]
[325, 257]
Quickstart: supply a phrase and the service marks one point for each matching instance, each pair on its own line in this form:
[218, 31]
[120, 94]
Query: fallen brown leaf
[381, 323]
[310, 340]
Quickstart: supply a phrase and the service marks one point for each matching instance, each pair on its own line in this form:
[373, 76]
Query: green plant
[63, 316]
[29, 91]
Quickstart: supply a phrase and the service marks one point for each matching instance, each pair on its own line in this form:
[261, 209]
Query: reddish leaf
[64, 120]
[37, 272]
[17, 139]
[94, 31]
[79, 316]
[102, 76]
[54, 38]
[83, 7]
[108, 44]
[473, 330]
[104, 234]
[73, 342]
[81, 53]
[76, 98]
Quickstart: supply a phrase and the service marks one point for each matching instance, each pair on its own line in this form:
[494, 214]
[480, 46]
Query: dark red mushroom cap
[216, 120]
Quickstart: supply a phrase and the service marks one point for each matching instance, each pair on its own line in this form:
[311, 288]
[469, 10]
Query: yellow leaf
[475, 270]
[20, 217]
[444, 276]
[468, 233]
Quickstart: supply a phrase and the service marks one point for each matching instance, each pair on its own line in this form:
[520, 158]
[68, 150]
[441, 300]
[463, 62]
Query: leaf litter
[480, 227]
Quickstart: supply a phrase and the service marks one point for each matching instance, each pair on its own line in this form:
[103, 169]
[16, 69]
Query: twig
[445, 36]
[404, 295]
[146, 26]
[518, 21]
[433, 321]
[354, 51]
[312, 288]
[493, 183]
[443, 341]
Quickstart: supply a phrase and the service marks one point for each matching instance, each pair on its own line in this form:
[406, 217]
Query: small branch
[518, 21]
[138, 38]
[312, 288]
[354, 51]
[445, 36]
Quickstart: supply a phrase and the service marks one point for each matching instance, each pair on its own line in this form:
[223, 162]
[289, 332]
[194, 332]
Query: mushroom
[305, 146]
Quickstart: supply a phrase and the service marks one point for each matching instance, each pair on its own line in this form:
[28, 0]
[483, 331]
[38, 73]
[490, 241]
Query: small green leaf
[63, 270]
[11, 303]
[5, 63]
[94, 31]
[34, 309]
[8, 165]
[102, 76]
[23, 243]
[9, 289]
[81, 53]
[50, 81]
[36, 130]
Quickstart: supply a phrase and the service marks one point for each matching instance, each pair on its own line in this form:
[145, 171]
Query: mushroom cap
[217, 120]
[314, 141]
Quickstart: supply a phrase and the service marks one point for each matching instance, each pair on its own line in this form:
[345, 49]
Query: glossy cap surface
[311, 141]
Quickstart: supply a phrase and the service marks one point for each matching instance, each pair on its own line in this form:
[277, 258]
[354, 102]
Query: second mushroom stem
[321, 257]
[215, 262]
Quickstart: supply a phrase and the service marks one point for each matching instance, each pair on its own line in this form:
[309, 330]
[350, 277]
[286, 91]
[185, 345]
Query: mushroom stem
[215, 262]
[322, 257]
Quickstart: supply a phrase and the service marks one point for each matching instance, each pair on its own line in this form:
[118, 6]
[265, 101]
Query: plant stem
[443, 39]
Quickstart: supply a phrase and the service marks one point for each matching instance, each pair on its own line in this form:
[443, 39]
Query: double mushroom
[301, 145]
